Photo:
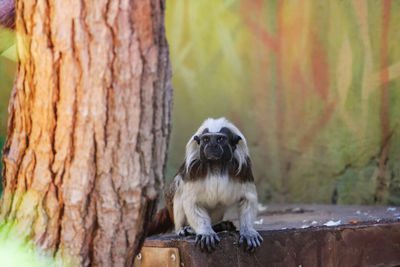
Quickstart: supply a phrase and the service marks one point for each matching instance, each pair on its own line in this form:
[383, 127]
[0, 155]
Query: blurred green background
[313, 85]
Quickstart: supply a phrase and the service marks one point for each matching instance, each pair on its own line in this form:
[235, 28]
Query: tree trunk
[89, 127]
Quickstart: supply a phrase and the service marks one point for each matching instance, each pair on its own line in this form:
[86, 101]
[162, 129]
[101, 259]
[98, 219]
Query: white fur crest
[214, 126]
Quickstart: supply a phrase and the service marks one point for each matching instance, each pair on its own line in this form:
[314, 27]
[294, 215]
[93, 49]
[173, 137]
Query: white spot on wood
[261, 207]
[260, 221]
[332, 223]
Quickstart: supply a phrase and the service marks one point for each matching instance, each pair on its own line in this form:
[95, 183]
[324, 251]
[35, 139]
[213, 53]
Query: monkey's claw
[207, 242]
[186, 231]
[251, 238]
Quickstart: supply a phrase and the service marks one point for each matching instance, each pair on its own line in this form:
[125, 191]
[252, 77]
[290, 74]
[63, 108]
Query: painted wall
[314, 85]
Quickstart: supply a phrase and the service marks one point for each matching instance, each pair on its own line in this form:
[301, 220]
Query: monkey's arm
[200, 221]
[179, 214]
[247, 215]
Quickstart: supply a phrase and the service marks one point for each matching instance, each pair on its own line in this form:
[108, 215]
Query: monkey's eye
[220, 139]
[206, 139]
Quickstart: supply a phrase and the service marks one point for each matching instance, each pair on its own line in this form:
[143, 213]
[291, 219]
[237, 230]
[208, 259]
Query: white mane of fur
[214, 126]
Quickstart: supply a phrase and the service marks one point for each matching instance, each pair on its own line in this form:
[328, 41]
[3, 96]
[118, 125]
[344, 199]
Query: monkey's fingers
[214, 241]
[200, 241]
[209, 243]
[259, 238]
[254, 243]
[256, 240]
[217, 239]
[203, 242]
[249, 245]
[197, 240]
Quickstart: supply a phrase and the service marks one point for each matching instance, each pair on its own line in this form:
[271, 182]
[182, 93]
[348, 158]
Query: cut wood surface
[303, 235]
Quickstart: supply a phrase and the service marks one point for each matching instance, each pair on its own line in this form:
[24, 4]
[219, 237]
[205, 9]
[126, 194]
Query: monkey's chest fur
[216, 194]
[214, 191]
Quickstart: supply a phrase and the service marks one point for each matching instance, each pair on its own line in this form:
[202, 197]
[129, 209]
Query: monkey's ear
[236, 139]
[197, 139]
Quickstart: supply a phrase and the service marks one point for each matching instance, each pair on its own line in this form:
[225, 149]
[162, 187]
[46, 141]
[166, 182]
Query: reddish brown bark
[88, 128]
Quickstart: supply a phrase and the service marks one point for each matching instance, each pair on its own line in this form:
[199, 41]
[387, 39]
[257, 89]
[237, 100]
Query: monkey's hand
[252, 237]
[207, 241]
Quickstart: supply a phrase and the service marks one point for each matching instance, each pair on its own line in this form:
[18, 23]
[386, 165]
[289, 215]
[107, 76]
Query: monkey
[215, 178]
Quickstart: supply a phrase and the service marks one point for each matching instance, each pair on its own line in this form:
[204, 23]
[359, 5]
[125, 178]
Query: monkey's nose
[214, 153]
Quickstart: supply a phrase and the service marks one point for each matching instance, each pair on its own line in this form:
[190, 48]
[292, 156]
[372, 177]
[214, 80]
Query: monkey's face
[213, 145]
[217, 146]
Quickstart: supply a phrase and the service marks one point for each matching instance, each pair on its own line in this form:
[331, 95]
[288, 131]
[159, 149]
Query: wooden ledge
[304, 235]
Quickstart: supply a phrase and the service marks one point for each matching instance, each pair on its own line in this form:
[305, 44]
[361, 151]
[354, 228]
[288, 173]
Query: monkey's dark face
[214, 146]
[217, 146]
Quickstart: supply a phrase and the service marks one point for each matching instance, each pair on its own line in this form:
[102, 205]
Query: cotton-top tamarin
[215, 177]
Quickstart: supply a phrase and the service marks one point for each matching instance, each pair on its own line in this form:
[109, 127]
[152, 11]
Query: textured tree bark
[88, 127]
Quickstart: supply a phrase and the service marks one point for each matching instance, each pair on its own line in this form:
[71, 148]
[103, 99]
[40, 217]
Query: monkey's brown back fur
[161, 223]
[163, 220]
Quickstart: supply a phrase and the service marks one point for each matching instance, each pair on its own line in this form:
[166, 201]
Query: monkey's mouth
[213, 157]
